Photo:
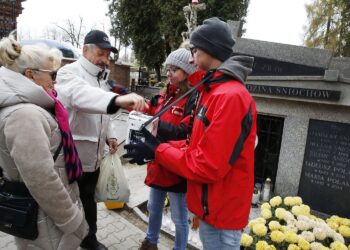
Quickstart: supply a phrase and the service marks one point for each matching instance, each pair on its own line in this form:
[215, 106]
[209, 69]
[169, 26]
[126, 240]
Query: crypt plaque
[325, 177]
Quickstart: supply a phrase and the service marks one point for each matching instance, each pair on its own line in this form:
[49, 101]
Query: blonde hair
[19, 58]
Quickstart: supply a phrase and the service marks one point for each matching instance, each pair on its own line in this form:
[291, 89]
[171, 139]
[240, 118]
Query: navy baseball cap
[100, 39]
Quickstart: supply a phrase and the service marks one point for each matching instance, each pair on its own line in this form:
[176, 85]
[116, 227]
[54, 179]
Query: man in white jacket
[82, 88]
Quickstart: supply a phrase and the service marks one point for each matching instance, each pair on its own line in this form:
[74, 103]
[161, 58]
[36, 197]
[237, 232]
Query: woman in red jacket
[172, 126]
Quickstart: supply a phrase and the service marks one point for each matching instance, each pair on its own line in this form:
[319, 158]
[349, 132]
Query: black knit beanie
[214, 37]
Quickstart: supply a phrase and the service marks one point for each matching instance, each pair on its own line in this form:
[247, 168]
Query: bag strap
[58, 150]
[165, 109]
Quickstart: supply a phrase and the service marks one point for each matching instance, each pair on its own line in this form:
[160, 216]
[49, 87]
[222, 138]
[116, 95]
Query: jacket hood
[238, 67]
[16, 88]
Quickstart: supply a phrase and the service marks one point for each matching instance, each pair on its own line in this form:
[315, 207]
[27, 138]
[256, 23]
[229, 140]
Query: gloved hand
[142, 152]
[117, 88]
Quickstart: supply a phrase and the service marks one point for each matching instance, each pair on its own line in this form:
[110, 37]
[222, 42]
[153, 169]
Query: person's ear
[28, 73]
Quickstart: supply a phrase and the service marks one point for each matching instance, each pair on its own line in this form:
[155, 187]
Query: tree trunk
[157, 69]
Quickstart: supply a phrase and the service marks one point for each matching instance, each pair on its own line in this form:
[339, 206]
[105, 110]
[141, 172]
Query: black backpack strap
[58, 150]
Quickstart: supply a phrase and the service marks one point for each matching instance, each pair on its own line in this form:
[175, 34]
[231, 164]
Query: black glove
[117, 88]
[154, 100]
[142, 152]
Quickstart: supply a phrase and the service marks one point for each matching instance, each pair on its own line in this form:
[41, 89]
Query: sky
[278, 21]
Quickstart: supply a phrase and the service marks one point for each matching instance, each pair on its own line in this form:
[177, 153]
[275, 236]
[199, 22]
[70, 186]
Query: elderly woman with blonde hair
[37, 151]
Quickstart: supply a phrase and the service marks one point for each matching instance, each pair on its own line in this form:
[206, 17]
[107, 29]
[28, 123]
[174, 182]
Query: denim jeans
[178, 210]
[213, 238]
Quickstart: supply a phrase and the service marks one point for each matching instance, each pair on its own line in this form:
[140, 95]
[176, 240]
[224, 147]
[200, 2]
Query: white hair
[19, 58]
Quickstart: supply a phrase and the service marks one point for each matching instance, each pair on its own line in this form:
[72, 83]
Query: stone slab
[284, 52]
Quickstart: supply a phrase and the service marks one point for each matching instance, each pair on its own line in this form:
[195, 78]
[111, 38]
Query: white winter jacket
[86, 99]
[29, 136]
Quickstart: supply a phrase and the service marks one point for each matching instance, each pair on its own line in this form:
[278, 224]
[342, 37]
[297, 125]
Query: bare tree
[73, 33]
[53, 33]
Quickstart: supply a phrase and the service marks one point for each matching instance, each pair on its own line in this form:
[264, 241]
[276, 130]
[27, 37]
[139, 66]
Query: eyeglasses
[193, 50]
[52, 73]
[172, 69]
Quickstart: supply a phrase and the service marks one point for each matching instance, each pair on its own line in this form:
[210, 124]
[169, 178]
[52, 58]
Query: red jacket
[219, 161]
[173, 126]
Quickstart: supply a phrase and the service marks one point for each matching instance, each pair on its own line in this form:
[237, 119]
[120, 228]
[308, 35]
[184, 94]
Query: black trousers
[87, 185]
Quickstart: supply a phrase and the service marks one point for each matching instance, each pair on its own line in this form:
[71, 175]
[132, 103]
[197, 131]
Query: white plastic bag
[112, 184]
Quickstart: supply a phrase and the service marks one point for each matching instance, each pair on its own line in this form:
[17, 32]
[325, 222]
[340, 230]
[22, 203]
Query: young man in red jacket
[218, 160]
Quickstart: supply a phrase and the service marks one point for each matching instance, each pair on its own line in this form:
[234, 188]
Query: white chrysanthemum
[308, 236]
[338, 237]
[303, 217]
[288, 216]
[320, 233]
[291, 228]
[292, 222]
[302, 225]
[315, 246]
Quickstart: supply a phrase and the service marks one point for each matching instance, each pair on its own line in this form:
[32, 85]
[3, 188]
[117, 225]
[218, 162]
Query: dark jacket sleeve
[167, 131]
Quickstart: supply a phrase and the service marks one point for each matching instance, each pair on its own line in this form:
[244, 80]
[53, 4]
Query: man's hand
[113, 144]
[142, 152]
[131, 101]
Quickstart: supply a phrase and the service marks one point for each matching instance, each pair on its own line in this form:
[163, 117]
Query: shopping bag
[112, 184]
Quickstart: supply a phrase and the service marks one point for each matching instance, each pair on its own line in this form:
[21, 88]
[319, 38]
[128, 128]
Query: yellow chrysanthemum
[345, 222]
[332, 224]
[246, 240]
[252, 223]
[288, 201]
[259, 229]
[305, 209]
[266, 213]
[265, 205]
[344, 231]
[277, 236]
[336, 218]
[279, 213]
[271, 247]
[274, 225]
[293, 247]
[261, 220]
[276, 201]
[291, 237]
[336, 245]
[303, 244]
[296, 210]
[261, 245]
[297, 200]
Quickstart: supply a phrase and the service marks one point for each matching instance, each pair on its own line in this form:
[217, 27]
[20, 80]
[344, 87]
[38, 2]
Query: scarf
[71, 157]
